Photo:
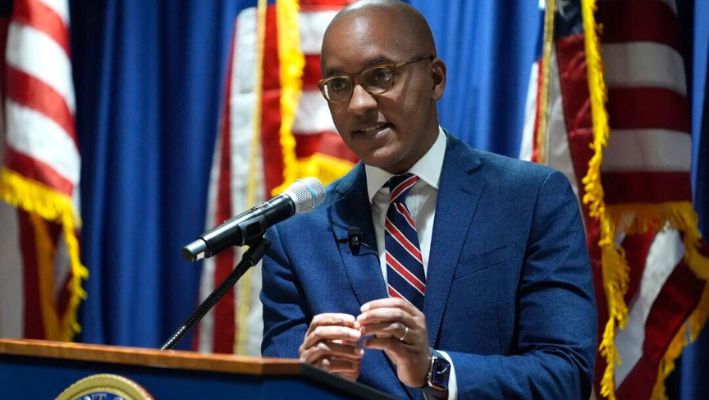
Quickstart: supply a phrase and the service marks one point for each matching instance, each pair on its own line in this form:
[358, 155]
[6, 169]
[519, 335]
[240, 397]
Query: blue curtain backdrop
[149, 80]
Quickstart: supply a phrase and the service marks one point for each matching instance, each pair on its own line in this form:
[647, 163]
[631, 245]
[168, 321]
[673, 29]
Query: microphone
[354, 240]
[301, 196]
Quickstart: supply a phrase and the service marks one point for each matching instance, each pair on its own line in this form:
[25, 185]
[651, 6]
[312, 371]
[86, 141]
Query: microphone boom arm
[251, 257]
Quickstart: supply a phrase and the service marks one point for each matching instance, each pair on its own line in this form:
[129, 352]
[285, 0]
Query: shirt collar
[427, 168]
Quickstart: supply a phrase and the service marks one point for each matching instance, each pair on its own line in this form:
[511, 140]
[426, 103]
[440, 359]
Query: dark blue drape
[149, 79]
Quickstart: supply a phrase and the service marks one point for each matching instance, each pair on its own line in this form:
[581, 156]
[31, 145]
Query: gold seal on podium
[105, 387]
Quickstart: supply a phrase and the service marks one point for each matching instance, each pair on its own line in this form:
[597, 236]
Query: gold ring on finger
[406, 332]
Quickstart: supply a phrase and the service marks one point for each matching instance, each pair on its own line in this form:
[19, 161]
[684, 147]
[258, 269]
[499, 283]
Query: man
[472, 280]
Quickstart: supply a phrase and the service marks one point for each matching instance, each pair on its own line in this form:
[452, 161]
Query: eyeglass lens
[374, 80]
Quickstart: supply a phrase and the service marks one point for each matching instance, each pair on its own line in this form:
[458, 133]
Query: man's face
[394, 129]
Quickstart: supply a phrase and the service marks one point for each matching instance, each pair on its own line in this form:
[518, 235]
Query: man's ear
[438, 74]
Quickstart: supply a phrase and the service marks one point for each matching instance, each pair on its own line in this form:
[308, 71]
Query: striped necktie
[405, 277]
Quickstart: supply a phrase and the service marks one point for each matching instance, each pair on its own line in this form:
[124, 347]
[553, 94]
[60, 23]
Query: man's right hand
[331, 343]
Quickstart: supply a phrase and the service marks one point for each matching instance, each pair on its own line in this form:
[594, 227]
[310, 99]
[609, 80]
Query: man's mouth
[372, 129]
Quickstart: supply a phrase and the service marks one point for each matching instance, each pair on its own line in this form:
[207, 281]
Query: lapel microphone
[354, 239]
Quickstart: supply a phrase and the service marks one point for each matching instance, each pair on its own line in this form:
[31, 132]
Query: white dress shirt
[421, 202]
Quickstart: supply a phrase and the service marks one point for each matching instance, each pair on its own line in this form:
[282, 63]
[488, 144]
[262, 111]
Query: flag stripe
[677, 299]
[224, 311]
[647, 17]
[311, 72]
[646, 187]
[323, 4]
[569, 130]
[627, 65]
[60, 7]
[648, 107]
[636, 248]
[313, 114]
[56, 74]
[665, 253]
[530, 112]
[560, 117]
[37, 170]
[670, 3]
[44, 18]
[312, 28]
[273, 154]
[328, 143]
[34, 134]
[35, 94]
[647, 150]
[33, 321]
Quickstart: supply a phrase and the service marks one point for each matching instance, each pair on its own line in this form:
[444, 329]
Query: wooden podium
[35, 369]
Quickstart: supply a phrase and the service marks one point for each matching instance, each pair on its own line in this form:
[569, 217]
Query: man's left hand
[399, 329]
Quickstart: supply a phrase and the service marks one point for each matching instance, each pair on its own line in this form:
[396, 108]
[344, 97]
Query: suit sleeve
[285, 322]
[556, 323]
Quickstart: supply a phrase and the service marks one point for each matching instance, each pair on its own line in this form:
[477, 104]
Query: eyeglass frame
[354, 79]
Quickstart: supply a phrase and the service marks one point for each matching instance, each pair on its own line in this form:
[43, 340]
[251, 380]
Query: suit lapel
[350, 210]
[458, 196]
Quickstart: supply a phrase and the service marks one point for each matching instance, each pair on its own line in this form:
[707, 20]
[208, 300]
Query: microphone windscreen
[306, 193]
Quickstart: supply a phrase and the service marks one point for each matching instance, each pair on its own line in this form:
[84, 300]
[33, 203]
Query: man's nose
[361, 101]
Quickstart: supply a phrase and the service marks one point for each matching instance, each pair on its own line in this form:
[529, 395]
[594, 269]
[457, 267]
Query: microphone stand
[250, 258]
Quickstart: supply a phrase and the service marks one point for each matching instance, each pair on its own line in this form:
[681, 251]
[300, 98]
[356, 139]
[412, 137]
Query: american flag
[41, 284]
[629, 159]
[275, 127]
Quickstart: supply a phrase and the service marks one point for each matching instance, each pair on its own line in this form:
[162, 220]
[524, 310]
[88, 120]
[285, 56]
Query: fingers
[331, 343]
[398, 328]
[339, 358]
[346, 367]
[391, 302]
[331, 349]
[392, 318]
[394, 330]
[331, 326]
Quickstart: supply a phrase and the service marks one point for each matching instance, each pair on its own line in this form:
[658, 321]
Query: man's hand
[331, 343]
[399, 329]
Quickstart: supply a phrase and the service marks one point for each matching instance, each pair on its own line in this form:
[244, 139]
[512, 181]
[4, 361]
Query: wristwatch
[439, 370]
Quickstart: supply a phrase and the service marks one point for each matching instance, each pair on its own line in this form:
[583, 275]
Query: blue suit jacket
[508, 292]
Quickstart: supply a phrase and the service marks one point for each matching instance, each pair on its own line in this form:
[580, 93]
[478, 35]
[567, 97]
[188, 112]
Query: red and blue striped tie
[405, 277]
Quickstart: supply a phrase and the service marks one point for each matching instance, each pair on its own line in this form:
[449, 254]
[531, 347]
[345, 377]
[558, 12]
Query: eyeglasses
[375, 80]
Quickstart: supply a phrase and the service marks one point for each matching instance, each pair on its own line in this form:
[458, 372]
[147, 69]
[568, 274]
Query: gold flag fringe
[43, 202]
[326, 168]
[614, 267]
[291, 62]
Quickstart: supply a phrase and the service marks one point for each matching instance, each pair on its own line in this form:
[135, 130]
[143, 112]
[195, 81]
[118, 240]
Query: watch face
[440, 372]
